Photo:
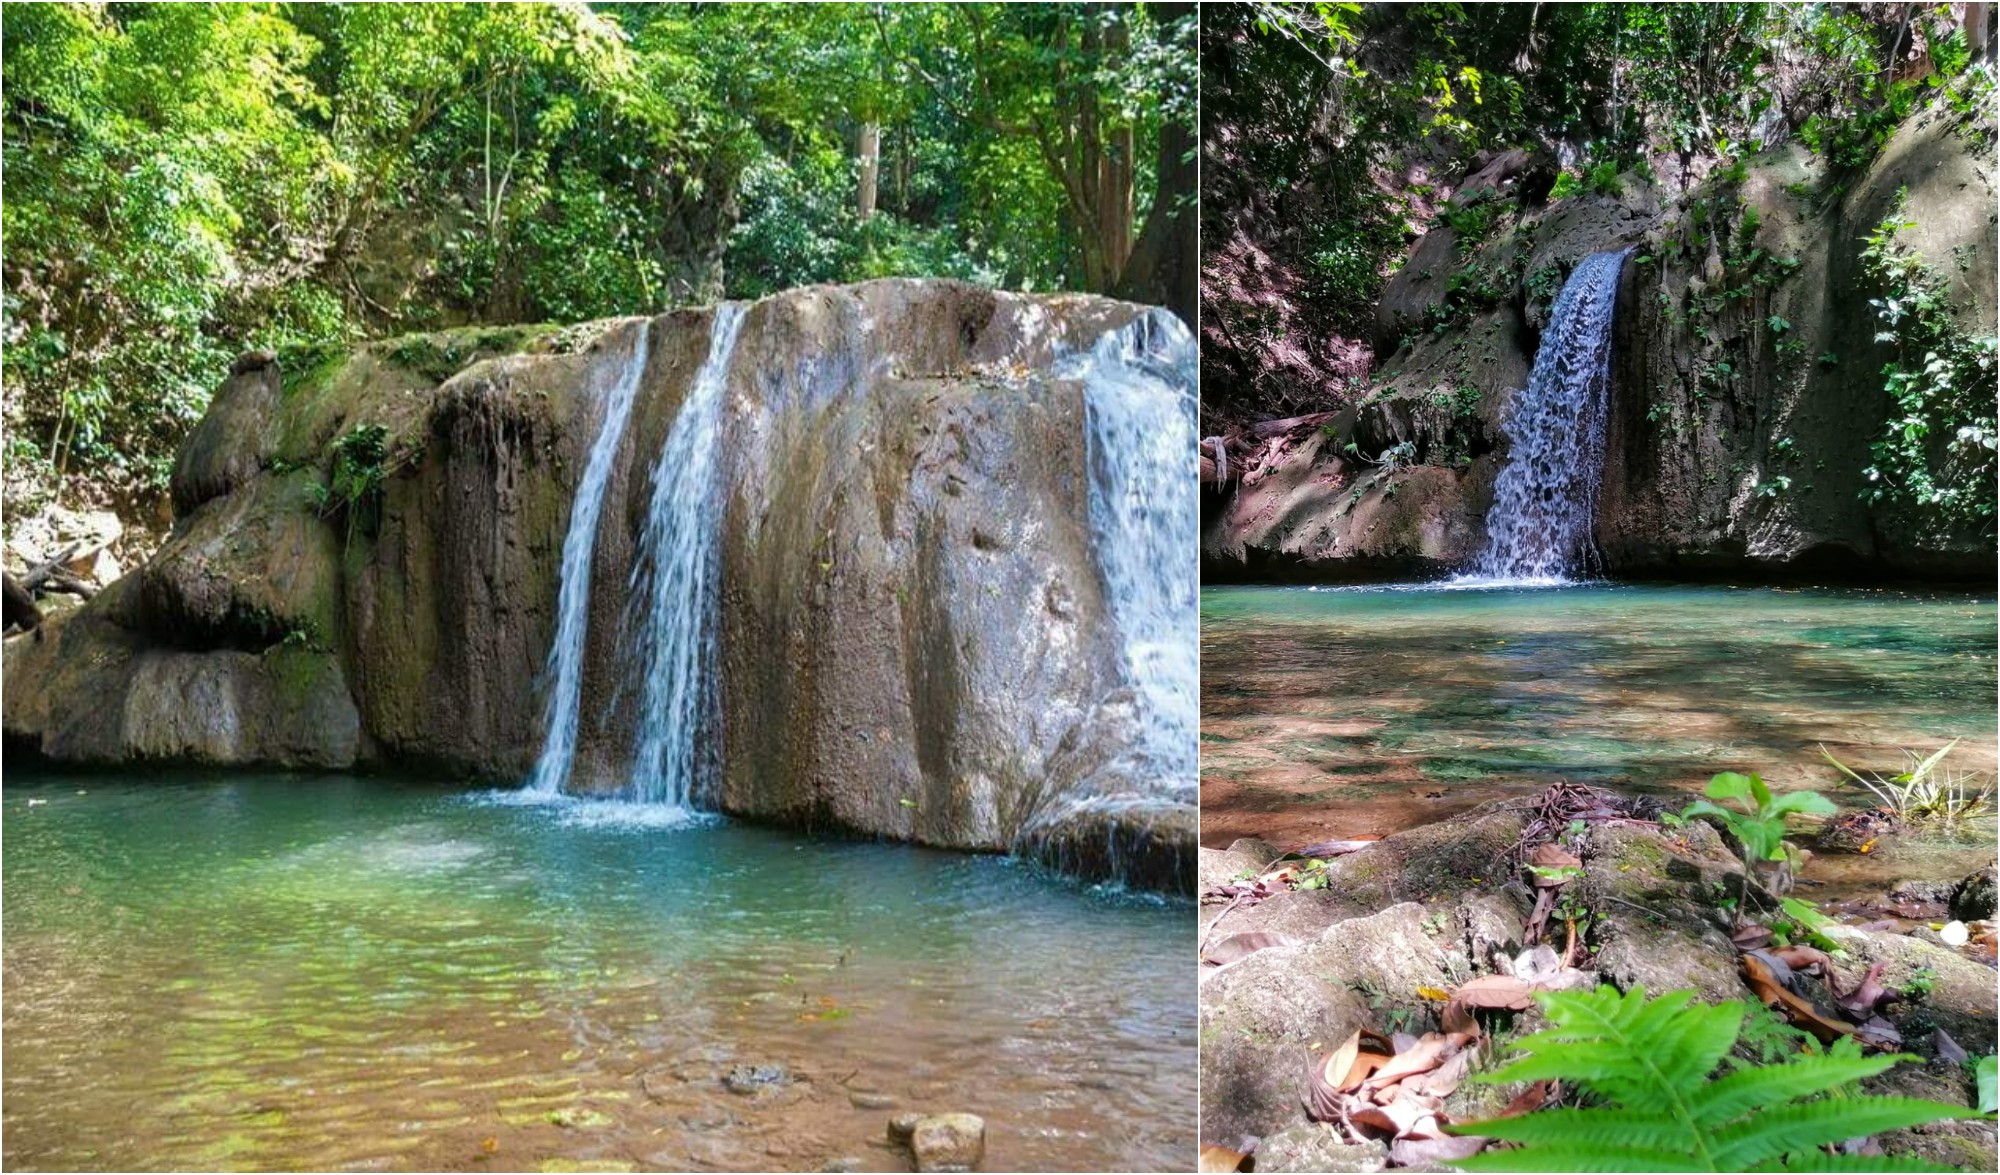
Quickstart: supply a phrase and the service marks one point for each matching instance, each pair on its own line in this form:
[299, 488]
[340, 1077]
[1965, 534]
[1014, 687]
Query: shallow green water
[1368, 709]
[334, 973]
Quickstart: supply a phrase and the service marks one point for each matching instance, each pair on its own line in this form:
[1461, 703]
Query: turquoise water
[1358, 710]
[334, 972]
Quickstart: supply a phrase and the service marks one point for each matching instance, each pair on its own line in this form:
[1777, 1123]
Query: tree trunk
[1164, 268]
[871, 168]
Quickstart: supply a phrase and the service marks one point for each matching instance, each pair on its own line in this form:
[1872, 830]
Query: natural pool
[1344, 711]
[288, 972]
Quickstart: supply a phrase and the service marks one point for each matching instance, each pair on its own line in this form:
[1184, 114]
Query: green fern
[1649, 1061]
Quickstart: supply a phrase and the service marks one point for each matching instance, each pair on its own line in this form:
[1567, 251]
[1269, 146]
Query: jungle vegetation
[188, 182]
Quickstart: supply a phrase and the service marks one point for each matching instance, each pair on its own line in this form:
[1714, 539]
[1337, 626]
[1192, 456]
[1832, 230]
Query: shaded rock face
[915, 632]
[1744, 393]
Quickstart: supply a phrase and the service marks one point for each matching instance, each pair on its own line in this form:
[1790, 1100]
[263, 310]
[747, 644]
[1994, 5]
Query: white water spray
[670, 622]
[1545, 499]
[565, 669]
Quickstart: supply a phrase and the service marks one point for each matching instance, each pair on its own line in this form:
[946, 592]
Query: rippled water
[339, 973]
[1345, 711]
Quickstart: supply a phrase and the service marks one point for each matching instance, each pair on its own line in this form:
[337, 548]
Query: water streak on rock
[670, 622]
[565, 668]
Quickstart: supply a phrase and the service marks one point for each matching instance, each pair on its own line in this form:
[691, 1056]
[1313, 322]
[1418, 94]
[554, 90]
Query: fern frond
[1652, 1059]
[1584, 1158]
[1628, 1048]
[1610, 1130]
[1716, 1104]
[1788, 1129]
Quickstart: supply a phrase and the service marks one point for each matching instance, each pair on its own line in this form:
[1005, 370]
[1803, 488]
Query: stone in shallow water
[948, 1142]
[1975, 897]
[750, 1079]
[863, 1099]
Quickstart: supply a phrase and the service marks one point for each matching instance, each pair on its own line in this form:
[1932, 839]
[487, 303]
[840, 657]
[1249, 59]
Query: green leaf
[1728, 785]
[1805, 803]
[1983, 1070]
[1721, 1101]
[1802, 1126]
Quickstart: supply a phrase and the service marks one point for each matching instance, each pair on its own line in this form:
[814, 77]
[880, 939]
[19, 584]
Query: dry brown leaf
[1803, 958]
[1867, 994]
[1537, 1095]
[1416, 1152]
[1365, 1066]
[1800, 1011]
[1242, 946]
[1441, 1081]
[1458, 1019]
[1425, 1055]
[1552, 856]
[1219, 1160]
[1751, 936]
[1495, 991]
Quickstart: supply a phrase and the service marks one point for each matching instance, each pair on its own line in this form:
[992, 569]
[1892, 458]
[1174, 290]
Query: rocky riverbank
[1298, 956]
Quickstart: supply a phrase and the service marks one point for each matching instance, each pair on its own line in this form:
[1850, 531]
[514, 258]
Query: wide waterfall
[565, 669]
[1545, 499]
[670, 622]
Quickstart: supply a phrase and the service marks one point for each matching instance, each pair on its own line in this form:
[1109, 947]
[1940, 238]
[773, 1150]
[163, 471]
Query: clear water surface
[338, 973]
[1343, 711]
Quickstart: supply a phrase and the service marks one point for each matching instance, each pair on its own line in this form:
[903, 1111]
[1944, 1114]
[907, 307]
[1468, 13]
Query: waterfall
[1145, 520]
[670, 619]
[565, 669]
[1545, 499]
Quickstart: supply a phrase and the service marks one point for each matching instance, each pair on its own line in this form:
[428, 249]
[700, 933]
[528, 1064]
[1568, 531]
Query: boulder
[1974, 899]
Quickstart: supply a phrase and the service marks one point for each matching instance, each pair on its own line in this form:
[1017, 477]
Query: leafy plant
[1988, 1078]
[354, 487]
[1926, 793]
[1760, 827]
[1648, 1062]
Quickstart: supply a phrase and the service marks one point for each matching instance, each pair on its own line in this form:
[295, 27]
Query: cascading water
[565, 669]
[1145, 519]
[670, 621]
[1545, 499]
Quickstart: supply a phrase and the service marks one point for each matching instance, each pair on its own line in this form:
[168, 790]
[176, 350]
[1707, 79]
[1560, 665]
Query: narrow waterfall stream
[1545, 499]
[1146, 519]
[1140, 410]
[565, 669]
[669, 622]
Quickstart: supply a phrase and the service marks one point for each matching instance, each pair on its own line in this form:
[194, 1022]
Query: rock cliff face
[1746, 384]
[915, 633]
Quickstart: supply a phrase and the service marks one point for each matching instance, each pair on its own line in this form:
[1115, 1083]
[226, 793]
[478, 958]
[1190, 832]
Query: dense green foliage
[1329, 128]
[1647, 1065]
[1937, 453]
[189, 181]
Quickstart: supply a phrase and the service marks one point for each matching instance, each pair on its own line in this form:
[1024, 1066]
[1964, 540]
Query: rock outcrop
[915, 635]
[1746, 389]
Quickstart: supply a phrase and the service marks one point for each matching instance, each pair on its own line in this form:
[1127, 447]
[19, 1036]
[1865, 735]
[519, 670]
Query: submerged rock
[948, 1142]
[1974, 898]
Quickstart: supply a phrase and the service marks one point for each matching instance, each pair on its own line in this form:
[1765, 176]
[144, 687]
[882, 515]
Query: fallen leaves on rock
[1241, 946]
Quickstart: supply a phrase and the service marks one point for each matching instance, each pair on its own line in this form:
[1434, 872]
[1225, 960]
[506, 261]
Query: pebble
[1954, 934]
[948, 1142]
[868, 1100]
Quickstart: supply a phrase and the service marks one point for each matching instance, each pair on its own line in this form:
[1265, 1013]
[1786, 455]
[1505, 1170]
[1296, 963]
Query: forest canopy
[187, 182]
